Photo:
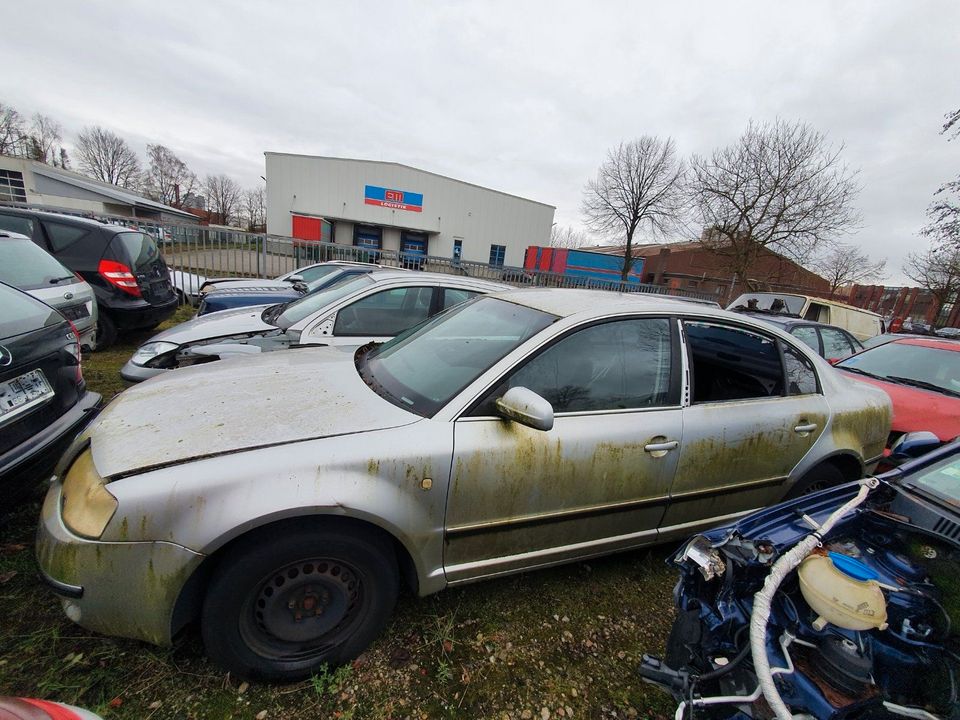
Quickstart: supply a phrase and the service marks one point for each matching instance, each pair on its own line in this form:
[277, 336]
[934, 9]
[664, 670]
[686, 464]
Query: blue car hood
[229, 298]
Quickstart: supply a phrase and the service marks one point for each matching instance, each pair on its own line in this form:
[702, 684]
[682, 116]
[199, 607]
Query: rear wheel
[279, 607]
[818, 478]
[106, 331]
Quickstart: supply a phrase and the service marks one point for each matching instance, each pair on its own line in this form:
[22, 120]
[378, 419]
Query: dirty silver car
[372, 307]
[295, 492]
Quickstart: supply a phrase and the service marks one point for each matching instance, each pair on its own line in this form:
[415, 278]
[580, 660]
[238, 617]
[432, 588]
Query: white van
[860, 323]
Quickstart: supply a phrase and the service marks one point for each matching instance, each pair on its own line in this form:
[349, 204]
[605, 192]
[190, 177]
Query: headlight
[151, 351]
[87, 505]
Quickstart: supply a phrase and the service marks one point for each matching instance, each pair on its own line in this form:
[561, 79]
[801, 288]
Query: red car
[922, 378]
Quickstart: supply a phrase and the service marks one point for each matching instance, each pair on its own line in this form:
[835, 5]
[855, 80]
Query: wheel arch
[190, 599]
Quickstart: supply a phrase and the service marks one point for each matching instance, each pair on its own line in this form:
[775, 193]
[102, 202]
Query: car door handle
[809, 428]
[661, 446]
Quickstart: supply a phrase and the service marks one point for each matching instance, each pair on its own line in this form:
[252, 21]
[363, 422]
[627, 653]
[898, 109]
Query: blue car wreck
[844, 603]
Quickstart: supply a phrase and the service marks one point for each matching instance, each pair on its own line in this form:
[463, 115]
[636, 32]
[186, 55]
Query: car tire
[284, 603]
[106, 332]
[821, 477]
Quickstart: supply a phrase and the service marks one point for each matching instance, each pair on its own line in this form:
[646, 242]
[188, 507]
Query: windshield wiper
[54, 281]
[858, 371]
[922, 384]
[273, 312]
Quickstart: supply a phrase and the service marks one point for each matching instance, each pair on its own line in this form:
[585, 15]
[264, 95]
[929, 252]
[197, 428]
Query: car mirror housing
[527, 408]
[914, 444]
[295, 279]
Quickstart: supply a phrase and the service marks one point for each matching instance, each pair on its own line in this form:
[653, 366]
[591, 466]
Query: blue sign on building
[396, 199]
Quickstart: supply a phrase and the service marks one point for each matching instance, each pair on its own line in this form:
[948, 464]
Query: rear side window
[137, 247]
[801, 378]
[63, 236]
[807, 334]
[835, 344]
[731, 363]
[17, 224]
[20, 313]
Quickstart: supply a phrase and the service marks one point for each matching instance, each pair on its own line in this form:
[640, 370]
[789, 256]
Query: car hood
[229, 406]
[919, 409]
[238, 321]
[253, 283]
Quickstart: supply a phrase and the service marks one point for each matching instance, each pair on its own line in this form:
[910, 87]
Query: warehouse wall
[333, 188]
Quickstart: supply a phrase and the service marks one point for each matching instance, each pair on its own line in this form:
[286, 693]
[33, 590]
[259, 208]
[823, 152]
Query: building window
[497, 253]
[11, 187]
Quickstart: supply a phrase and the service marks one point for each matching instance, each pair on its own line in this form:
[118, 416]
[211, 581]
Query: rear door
[755, 410]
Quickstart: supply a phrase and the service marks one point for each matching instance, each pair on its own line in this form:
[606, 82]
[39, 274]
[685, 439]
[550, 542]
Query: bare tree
[846, 264]
[12, 132]
[168, 179]
[780, 187]
[936, 270]
[944, 212]
[223, 196]
[639, 187]
[567, 237]
[107, 157]
[255, 208]
[46, 136]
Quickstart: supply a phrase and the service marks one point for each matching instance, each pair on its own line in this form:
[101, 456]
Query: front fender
[377, 477]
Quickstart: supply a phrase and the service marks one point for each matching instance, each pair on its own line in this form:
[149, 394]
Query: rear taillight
[74, 349]
[119, 275]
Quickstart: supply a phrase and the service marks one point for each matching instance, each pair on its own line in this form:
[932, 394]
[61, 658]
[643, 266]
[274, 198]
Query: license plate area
[22, 393]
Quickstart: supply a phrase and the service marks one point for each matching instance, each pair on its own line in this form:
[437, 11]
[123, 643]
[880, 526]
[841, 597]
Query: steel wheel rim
[303, 609]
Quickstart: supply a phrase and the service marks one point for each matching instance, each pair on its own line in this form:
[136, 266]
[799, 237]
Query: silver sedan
[294, 493]
[363, 308]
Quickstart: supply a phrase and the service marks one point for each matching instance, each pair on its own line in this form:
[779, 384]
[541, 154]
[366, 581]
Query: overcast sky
[519, 96]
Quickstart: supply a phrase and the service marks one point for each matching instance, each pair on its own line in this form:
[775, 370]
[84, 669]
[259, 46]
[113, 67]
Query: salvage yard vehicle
[830, 342]
[860, 323]
[841, 604]
[282, 500]
[122, 265]
[27, 267]
[43, 397]
[246, 293]
[368, 307]
[922, 377]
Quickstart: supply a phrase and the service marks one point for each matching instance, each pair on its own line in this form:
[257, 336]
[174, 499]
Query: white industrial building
[389, 206]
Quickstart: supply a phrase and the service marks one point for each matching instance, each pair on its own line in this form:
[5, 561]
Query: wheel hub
[306, 600]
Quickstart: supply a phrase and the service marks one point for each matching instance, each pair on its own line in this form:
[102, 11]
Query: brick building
[911, 304]
[691, 266]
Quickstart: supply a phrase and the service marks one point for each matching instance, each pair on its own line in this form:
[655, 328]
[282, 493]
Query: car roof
[68, 219]
[565, 302]
[399, 274]
[930, 342]
[787, 322]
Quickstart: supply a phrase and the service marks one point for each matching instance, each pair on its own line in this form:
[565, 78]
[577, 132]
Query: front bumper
[125, 589]
[139, 373]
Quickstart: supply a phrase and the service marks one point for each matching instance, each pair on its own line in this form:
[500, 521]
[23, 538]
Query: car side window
[817, 313]
[386, 313]
[807, 334]
[17, 224]
[835, 344]
[62, 236]
[455, 296]
[731, 363]
[613, 366]
[801, 377]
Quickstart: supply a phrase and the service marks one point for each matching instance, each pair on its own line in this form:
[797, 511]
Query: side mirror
[295, 279]
[527, 408]
[913, 445]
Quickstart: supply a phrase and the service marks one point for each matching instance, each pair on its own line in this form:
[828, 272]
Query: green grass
[565, 638]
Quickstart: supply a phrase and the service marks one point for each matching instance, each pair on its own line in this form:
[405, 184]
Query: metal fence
[210, 251]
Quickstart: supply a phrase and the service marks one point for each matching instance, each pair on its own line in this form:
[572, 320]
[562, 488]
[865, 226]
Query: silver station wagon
[295, 491]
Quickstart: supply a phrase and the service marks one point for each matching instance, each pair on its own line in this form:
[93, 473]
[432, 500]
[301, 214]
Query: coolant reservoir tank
[842, 591]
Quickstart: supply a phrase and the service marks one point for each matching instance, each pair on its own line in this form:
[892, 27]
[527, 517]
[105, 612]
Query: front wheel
[281, 605]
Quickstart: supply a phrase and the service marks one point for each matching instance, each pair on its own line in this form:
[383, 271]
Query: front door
[597, 481]
[752, 417]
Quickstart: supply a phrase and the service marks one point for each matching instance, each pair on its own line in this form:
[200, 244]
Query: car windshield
[309, 304]
[942, 478]
[769, 302]
[421, 371]
[329, 277]
[921, 366]
[26, 266]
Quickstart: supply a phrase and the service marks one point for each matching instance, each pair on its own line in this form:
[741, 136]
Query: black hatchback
[43, 397]
[123, 266]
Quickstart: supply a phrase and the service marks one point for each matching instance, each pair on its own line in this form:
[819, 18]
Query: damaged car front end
[843, 603]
